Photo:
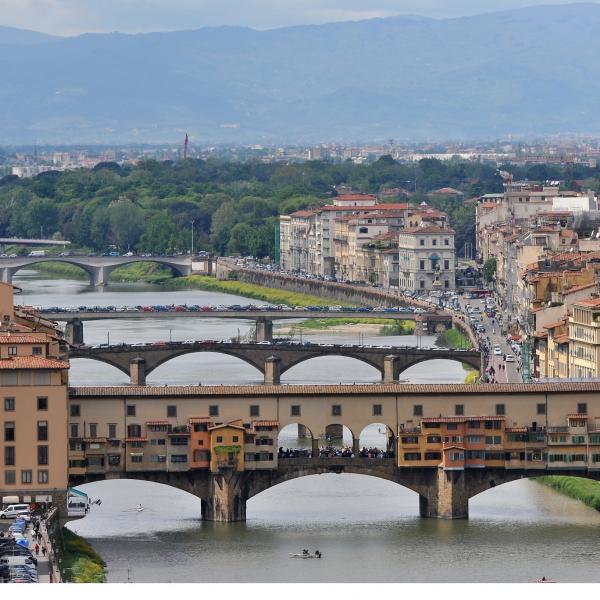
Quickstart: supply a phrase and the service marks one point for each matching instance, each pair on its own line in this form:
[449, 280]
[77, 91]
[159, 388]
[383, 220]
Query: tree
[159, 235]
[126, 223]
[489, 269]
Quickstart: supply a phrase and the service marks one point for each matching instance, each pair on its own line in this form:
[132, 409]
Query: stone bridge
[272, 360]
[97, 267]
[442, 494]
[427, 323]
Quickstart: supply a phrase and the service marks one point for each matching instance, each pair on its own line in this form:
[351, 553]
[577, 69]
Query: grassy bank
[249, 290]
[388, 326]
[585, 490]
[146, 272]
[80, 562]
[472, 377]
[453, 338]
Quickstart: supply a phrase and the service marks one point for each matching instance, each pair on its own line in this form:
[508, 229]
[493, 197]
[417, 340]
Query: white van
[14, 510]
[37, 253]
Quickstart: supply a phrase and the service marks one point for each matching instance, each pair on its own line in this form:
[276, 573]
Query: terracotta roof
[19, 338]
[353, 197]
[331, 390]
[427, 229]
[136, 439]
[302, 213]
[32, 362]
[461, 419]
[540, 334]
[193, 420]
[555, 324]
[223, 425]
[95, 440]
[265, 423]
[578, 288]
[562, 339]
[593, 302]
[157, 422]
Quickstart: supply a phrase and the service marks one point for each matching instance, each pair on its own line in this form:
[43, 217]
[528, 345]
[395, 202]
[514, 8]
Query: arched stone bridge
[272, 360]
[442, 494]
[97, 267]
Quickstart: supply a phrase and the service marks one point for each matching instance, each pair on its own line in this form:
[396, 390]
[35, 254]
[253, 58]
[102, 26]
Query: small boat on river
[306, 554]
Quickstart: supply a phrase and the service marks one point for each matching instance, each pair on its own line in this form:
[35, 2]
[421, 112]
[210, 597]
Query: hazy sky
[69, 17]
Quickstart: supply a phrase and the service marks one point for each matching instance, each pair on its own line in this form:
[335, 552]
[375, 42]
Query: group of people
[294, 453]
[375, 453]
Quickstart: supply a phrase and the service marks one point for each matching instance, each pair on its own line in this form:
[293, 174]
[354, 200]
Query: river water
[367, 529]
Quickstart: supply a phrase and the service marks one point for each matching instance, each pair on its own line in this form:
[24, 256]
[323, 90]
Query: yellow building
[226, 447]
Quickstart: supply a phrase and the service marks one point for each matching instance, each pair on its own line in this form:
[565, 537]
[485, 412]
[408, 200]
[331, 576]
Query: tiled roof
[555, 324]
[193, 420]
[329, 390]
[20, 338]
[352, 197]
[265, 423]
[593, 302]
[302, 213]
[461, 419]
[32, 362]
[427, 229]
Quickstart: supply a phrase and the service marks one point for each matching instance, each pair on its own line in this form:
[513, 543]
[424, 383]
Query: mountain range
[532, 71]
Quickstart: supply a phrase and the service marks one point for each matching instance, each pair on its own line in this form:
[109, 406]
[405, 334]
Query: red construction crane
[185, 147]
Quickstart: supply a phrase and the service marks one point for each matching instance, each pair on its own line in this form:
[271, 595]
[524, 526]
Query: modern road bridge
[271, 359]
[97, 267]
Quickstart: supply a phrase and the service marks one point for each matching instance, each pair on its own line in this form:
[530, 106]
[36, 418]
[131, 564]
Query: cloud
[71, 17]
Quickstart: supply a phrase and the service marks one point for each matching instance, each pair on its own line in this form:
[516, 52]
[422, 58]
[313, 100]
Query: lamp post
[192, 222]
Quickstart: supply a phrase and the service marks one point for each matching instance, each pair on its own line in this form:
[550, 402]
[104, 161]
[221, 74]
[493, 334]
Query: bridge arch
[379, 436]
[363, 374]
[89, 271]
[78, 363]
[472, 362]
[295, 436]
[176, 269]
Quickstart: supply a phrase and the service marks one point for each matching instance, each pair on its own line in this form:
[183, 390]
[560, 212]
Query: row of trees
[234, 206]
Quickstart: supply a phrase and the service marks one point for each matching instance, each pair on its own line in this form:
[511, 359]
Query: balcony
[560, 429]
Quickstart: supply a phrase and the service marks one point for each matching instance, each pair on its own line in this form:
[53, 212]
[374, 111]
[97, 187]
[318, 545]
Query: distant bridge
[426, 322]
[97, 267]
[32, 242]
[272, 360]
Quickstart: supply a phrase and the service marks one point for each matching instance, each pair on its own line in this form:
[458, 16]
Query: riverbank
[248, 290]
[585, 490]
[80, 562]
[383, 327]
[453, 339]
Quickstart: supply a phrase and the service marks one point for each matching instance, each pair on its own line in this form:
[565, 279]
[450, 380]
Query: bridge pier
[74, 332]
[447, 496]
[226, 500]
[272, 370]
[99, 276]
[264, 330]
[391, 368]
[137, 371]
[6, 275]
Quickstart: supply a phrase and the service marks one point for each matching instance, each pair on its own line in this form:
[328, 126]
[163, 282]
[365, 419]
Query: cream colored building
[584, 334]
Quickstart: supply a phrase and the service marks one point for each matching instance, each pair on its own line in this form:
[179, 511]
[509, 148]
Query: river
[367, 529]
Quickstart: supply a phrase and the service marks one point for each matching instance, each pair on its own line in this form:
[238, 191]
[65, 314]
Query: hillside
[529, 71]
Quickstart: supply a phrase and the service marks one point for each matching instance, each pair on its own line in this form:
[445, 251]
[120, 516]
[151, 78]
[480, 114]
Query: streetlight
[108, 337]
[192, 222]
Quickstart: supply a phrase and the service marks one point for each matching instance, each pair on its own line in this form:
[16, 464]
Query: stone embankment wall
[361, 295]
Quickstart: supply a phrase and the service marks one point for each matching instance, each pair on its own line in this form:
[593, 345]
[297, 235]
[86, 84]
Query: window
[422, 284]
[12, 350]
[582, 408]
[363, 230]
[451, 426]
[42, 452]
[171, 411]
[9, 431]
[134, 430]
[43, 476]
[336, 410]
[179, 458]
[446, 242]
[219, 439]
[410, 439]
[459, 409]
[112, 430]
[236, 438]
[10, 477]
[74, 430]
[412, 456]
[93, 430]
[500, 409]
[9, 456]
[433, 455]
[541, 409]
[446, 283]
[75, 410]
[42, 403]
[137, 458]
[422, 265]
[42, 431]
[434, 439]
[377, 410]
[213, 410]
[136, 444]
[417, 410]
[295, 410]
[446, 264]
[421, 242]
[36, 351]
[131, 410]
[434, 242]
[179, 440]
[254, 410]
[9, 404]
[26, 476]
[578, 439]
[474, 425]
